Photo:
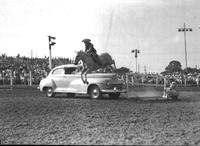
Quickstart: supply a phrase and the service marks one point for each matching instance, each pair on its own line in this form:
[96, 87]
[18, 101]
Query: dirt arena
[28, 117]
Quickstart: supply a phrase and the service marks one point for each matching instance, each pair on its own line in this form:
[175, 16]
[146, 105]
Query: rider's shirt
[173, 86]
[90, 49]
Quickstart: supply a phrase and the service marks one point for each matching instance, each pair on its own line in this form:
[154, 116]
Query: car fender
[48, 83]
[53, 85]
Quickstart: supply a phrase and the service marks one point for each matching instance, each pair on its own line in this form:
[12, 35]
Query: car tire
[114, 95]
[95, 92]
[49, 92]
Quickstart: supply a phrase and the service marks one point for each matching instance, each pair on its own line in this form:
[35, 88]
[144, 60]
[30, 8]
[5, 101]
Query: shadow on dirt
[142, 100]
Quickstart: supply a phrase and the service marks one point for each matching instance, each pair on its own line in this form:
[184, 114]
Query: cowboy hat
[86, 40]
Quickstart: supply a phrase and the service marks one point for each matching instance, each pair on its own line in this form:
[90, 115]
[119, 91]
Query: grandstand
[20, 68]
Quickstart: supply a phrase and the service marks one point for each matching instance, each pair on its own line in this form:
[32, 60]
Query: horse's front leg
[86, 76]
[83, 72]
[82, 77]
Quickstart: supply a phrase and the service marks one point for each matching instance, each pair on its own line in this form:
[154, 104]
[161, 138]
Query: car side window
[69, 70]
[59, 71]
[72, 70]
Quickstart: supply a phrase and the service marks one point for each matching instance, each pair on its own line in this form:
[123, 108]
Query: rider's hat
[86, 40]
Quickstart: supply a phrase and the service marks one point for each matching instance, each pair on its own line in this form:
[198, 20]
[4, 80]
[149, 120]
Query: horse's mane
[81, 52]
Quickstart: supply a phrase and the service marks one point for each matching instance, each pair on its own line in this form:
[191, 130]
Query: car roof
[67, 66]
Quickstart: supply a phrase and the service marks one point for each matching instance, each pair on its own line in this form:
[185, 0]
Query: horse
[90, 65]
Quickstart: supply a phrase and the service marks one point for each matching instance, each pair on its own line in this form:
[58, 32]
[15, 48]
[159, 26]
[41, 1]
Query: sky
[114, 26]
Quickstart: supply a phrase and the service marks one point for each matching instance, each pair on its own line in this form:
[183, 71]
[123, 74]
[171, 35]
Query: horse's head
[80, 56]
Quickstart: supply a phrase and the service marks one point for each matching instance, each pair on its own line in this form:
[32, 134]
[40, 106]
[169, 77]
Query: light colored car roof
[67, 66]
[79, 65]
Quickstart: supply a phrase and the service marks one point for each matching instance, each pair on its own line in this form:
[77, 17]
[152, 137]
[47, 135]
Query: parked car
[67, 79]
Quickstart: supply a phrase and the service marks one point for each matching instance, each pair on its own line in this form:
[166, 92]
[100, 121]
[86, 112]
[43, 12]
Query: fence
[8, 79]
[154, 83]
[134, 79]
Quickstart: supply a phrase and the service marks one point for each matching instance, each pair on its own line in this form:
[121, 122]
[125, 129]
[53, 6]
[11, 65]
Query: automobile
[67, 79]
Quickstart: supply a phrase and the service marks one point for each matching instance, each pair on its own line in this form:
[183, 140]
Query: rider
[89, 48]
[173, 89]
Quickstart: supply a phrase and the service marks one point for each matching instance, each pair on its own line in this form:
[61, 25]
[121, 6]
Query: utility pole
[145, 69]
[136, 51]
[51, 43]
[138, 68]
[184, 29]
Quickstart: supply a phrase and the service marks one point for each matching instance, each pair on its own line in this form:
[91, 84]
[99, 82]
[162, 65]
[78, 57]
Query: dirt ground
[28, 117]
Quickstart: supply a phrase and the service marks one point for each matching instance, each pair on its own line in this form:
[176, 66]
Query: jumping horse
[90, 65]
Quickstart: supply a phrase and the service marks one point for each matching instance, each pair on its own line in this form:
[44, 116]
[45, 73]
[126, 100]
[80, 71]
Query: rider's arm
[90, 49]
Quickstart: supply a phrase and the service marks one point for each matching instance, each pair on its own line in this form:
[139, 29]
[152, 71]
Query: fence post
[126, 85]
[3, 76]
[156, 81]
[164, 94]
[11, 79]
[30, 73]
[142, 80]
[185, 80]
[132, 81]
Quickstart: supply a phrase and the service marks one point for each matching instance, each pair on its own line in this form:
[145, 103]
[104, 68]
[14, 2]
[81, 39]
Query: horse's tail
[107, 59]
[114, 64]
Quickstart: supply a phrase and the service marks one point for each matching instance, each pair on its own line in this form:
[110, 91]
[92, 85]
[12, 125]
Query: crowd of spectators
[21, 67]
[156, 78]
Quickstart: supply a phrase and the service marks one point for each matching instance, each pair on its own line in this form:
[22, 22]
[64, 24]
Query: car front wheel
[49, 92]
[95, 92]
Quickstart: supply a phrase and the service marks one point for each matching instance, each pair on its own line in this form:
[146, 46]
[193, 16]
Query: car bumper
[40, 88]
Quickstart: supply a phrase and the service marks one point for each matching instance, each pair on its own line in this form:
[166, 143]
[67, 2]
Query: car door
[57, 78]
[73, 82]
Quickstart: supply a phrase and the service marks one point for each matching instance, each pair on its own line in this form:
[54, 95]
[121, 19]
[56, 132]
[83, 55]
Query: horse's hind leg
[114, 64]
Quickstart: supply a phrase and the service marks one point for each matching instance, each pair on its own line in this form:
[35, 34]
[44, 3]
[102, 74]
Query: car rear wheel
[114, 95]
[95, 92]
[49, 92]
